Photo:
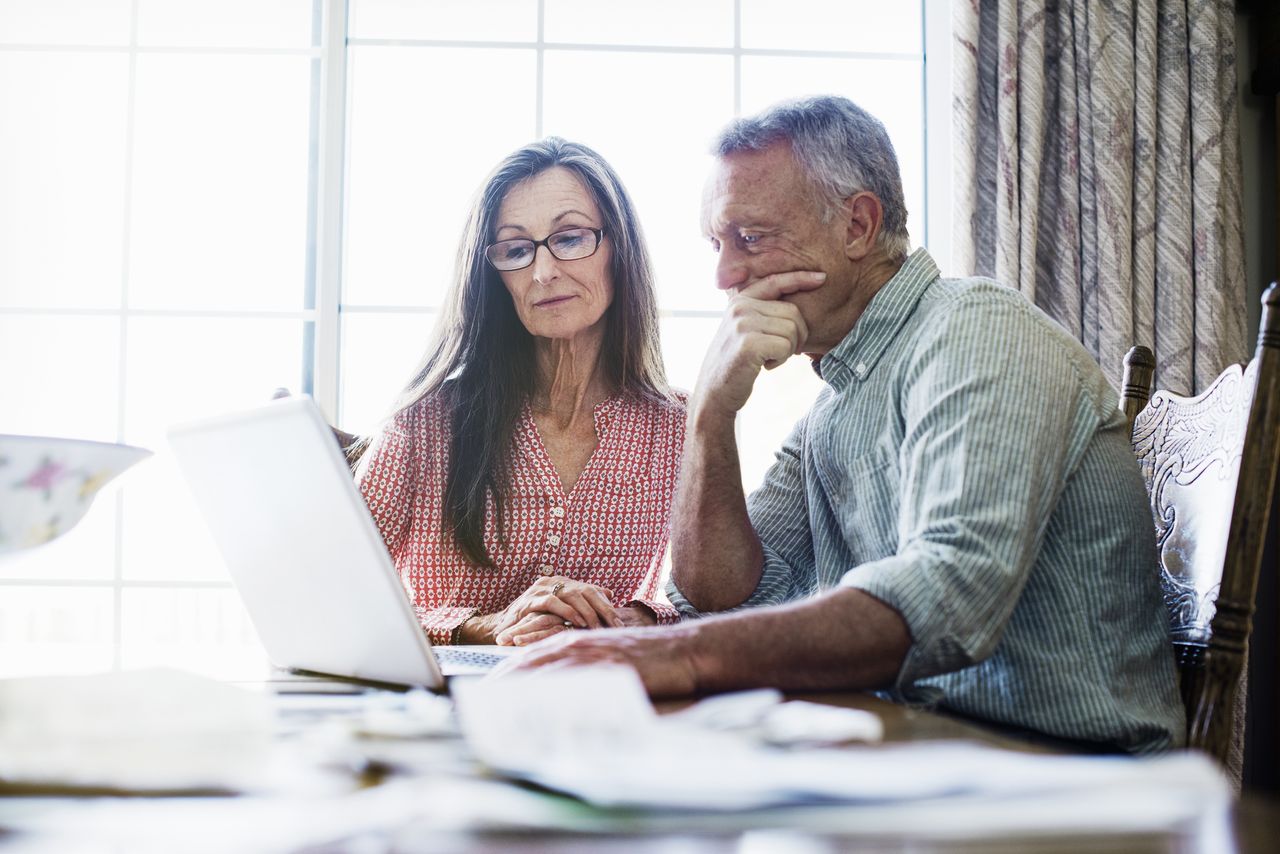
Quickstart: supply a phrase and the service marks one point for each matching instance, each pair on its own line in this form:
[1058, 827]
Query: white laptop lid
[301, 547]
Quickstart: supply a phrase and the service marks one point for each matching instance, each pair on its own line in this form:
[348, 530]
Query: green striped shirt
[967, 464]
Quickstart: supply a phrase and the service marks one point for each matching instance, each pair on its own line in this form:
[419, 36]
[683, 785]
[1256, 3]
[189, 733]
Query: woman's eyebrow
[570, 212]
[558, 217]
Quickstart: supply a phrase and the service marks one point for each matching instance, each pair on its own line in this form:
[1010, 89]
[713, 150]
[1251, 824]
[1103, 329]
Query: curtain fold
[1098, 171]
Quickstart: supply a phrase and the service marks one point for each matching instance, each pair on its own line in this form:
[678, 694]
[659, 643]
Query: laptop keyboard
[450, 658]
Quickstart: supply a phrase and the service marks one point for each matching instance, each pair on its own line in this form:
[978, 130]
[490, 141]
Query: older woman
[524, 483]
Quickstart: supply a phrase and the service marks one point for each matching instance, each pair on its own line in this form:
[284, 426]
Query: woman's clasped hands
[550, 605]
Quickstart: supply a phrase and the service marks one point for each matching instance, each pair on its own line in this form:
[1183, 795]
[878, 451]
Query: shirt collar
[855, 357]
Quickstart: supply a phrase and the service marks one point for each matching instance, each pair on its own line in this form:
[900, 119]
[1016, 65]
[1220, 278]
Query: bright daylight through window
[201, 202]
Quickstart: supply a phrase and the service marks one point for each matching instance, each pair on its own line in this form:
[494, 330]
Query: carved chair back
[1210, 463]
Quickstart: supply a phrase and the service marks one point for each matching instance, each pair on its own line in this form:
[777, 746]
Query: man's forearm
[716, 558]
[843, 639]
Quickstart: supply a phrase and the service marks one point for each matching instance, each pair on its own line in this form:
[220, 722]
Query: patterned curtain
[1098, 171]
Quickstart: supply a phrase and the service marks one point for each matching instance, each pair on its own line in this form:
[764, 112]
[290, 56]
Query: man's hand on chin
[662, 658]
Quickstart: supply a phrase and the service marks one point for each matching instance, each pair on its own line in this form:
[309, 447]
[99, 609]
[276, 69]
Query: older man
[958, 520]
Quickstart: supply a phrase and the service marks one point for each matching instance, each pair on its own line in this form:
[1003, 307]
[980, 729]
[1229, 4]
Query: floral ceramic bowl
[47, 484]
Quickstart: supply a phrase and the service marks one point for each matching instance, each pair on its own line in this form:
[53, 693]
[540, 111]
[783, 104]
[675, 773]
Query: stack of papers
[143, 730]
[592, 733]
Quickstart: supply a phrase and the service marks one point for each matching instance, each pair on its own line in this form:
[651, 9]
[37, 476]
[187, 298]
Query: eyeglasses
[568, 245]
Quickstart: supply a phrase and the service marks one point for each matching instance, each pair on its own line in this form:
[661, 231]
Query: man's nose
[731, 270]
[546, 268]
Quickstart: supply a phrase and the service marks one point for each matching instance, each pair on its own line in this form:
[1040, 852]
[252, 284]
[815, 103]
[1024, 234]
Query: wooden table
[1252, 825]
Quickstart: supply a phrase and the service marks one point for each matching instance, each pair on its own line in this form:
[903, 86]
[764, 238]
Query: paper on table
[516, 722]
[148, 730]
[591, 732]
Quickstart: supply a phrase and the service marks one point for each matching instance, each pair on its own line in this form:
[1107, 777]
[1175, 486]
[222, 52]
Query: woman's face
[554, 298]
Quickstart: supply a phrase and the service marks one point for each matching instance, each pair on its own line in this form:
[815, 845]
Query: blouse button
[546, 569]
[557, 512]
[554, 540]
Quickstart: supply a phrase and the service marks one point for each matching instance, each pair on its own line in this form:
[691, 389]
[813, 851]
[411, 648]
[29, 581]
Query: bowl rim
[67, 440]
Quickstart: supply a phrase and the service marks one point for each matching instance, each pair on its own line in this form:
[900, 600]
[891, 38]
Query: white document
[143, 730]
[592, 733]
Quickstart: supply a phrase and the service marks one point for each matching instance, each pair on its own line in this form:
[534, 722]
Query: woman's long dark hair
[481, 361]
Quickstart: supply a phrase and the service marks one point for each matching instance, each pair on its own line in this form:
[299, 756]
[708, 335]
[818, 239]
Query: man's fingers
[781, 284]
[751, 317]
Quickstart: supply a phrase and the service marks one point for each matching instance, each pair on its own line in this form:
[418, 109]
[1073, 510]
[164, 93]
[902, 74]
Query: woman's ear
[863, 215]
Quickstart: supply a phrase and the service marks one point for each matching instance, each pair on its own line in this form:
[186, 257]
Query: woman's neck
[570, 382]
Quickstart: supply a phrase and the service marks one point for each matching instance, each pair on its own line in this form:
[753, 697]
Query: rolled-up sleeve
[976, 486]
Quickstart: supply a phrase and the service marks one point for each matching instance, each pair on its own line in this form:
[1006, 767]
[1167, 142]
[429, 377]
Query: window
[200, 202]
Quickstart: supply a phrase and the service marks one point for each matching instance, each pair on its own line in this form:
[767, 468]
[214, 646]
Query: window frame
[935, 82]
[321, 312]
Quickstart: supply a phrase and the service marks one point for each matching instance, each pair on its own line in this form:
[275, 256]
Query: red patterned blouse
[610, 530]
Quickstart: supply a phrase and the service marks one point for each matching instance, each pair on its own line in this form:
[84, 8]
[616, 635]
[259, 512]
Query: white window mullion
[331, 168]
[937, 131]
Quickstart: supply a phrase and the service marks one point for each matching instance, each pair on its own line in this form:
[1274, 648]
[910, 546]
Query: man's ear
[863, 216]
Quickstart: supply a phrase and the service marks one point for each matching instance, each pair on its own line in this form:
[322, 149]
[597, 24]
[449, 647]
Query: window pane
[684, 345]
[657, 22]
[87, 22]
[180, 369]
[891, 90]
[47, 630]
[205, 631]
[86, 551]
[69, 377]
[227, 23]
[164, 537]
[471, 20]
[379, 353]
[778, 400]
[220, 181]
[642, 114]
[62, 174]
[185, 368]
[843, 25]
[420, 148]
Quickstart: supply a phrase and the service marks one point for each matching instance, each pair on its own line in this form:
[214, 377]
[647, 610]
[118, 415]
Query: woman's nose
[546, 268]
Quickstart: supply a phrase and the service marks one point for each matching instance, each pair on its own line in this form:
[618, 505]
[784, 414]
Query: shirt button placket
[553, 540]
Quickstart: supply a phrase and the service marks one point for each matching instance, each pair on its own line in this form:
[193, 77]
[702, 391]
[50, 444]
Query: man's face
[763, 216]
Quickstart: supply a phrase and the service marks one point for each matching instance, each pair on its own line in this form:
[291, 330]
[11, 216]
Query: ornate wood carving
[1189, 451]
[1210, 465]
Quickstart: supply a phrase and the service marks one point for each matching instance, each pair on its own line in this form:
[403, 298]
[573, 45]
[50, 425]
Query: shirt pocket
[863, 494]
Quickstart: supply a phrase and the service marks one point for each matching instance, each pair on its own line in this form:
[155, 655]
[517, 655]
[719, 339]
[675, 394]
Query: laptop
[304, 553]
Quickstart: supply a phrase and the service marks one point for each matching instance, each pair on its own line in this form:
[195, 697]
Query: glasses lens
[572, 243]
[510, 254]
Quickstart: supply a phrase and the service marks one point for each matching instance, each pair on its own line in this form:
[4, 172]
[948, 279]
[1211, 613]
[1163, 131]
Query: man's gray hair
[841, 147]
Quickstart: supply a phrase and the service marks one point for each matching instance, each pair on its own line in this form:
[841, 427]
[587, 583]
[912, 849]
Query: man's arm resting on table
[843, 639]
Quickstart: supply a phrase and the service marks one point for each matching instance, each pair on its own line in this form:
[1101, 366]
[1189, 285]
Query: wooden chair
[1210, 463]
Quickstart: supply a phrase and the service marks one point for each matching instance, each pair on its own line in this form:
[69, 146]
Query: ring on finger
[555, 591]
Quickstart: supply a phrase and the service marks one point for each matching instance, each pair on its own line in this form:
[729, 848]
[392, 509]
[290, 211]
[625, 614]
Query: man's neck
[867, 278]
